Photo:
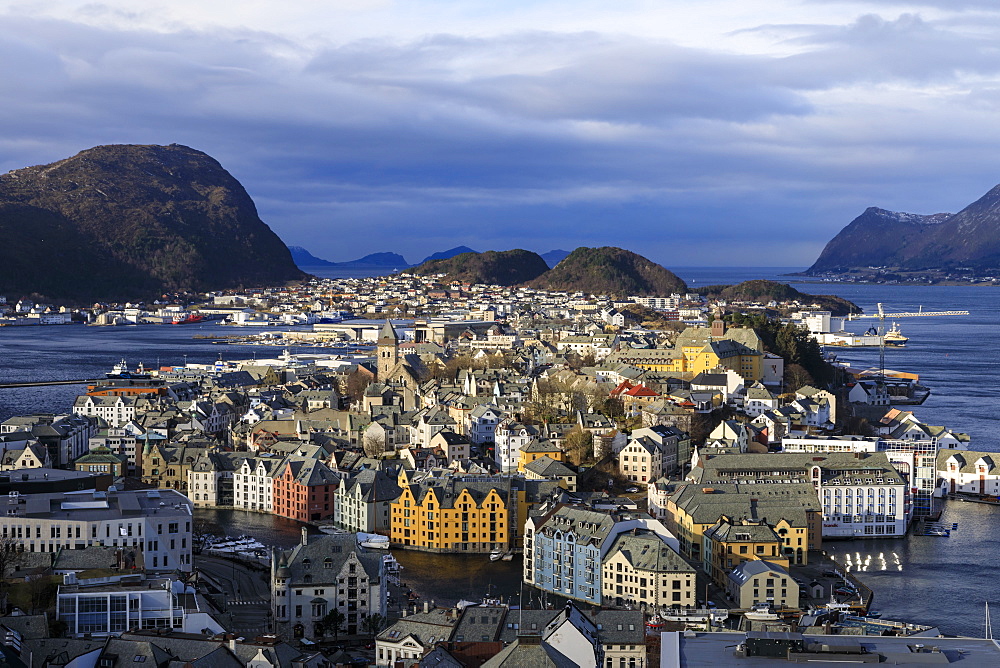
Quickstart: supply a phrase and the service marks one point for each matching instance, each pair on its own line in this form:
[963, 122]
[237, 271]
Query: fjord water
[940, 581]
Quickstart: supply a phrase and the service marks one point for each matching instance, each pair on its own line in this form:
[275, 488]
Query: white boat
[373, 540]
[761, 612]
[496, 555]
[507, 556]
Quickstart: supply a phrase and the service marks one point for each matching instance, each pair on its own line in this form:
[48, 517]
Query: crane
[881, 315]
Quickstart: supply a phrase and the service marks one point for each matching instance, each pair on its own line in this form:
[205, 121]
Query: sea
[938, 581]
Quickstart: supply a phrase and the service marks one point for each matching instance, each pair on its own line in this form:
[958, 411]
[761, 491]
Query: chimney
[427, 606]
[718, 328]
[232, 644]
[305, 536]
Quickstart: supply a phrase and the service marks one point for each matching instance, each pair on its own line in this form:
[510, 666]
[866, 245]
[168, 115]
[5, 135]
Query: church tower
[388, 352]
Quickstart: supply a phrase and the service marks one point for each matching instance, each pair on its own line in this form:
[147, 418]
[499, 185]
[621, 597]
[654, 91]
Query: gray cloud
[534, 139]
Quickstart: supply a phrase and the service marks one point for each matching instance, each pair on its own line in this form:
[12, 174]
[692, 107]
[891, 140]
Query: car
[631, 490]
[831, 574]
[845, 591]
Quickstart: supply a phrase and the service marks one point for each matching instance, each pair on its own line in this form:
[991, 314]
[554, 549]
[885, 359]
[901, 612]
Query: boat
[189, 319]
[894, 337]
[761, 612]
[496, 555]
[507, 556]
[655, 623]
[373, 540]
[332, 530]
[121, 370]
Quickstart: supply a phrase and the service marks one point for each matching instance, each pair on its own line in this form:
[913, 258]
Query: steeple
[388, 352]
[387, 335]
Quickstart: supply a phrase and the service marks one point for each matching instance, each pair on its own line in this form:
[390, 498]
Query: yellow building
[536, 449]
[729, 543]
[451, 515]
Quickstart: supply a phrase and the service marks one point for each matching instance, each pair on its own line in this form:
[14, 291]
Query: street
[246, 594]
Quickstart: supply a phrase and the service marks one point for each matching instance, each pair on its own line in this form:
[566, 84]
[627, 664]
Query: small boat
[655, 622]
[496, 555]
[761, 612]
[507, 556]
[373, 541]
[873, 614]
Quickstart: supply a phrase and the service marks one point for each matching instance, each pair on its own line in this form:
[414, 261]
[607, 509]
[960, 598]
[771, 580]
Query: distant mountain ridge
[132, 222]
[304, 259]
[880, 238]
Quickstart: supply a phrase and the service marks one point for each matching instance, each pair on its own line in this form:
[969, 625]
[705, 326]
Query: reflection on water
[443, 578]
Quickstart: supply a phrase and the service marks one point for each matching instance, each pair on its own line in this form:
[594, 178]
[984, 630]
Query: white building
[119, 607]
[157, 520]
[510, 437]
[253, 483]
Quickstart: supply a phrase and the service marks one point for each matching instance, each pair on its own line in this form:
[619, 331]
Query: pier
[42, 383]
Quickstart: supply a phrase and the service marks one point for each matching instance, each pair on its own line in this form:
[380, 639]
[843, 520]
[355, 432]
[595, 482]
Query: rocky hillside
[969, 238]
[611, 271]
[120, 222]
[492, 267]
[875, 238]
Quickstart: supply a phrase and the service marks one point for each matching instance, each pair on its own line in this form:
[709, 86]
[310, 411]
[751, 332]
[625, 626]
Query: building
[759, 581]
[969, 472]
[253, 483]
[323, 573]
[303, 489]
[642, 570]
[363, 502]
[452, 514]
[728, 543]
[653, 452]
[158, 522]
[861, 494]
[113, 609]
[564, 548]
[102, 460]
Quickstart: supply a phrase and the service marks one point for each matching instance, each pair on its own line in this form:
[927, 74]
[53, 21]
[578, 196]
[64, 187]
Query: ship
[894, 337]
[189, 319]
[121, 370]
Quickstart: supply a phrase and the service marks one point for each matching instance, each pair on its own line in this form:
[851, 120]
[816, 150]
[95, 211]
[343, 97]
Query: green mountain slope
[492, 267]
[609, 270]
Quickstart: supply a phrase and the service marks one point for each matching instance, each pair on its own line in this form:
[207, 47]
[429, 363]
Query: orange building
[304, 489]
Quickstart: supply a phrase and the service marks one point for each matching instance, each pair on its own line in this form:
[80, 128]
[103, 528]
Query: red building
[303, 490]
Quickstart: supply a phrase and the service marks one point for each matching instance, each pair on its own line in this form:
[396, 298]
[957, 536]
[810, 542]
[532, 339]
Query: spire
[388, 334]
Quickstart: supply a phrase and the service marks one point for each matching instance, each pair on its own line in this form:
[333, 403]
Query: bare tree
[373, 442]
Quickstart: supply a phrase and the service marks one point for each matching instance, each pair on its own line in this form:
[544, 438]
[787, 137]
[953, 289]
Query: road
[246, 594]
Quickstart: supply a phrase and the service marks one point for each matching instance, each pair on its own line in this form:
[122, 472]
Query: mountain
[444, 255]
[763, 291]
[969, 238]
[609, 270]
[554, 257]
[875, 238]
[126, 221]
[304, 259]
[492, 267]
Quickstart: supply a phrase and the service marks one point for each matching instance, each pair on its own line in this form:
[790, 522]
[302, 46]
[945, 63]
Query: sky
[694, 132]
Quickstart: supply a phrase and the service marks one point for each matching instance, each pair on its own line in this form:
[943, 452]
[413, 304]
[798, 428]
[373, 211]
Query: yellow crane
[881, 316]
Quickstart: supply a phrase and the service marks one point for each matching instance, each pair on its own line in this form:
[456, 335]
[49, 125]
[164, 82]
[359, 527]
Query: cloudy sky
[696, 132]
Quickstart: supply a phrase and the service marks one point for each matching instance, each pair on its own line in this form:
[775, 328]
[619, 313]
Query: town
[655, 465]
